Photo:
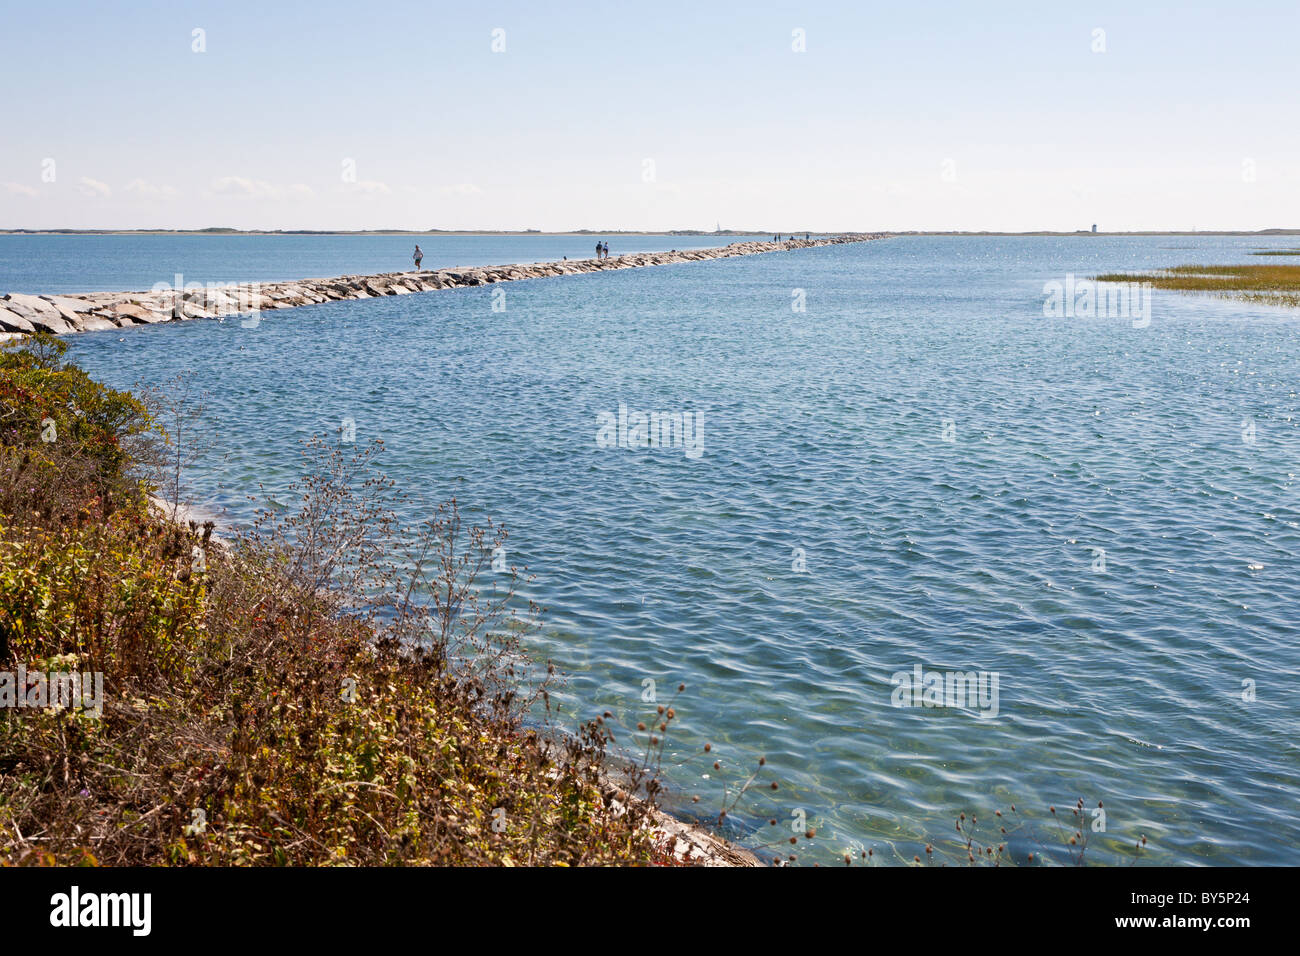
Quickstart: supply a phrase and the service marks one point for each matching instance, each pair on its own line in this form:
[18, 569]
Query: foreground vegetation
[285, 698]
[1262, 284]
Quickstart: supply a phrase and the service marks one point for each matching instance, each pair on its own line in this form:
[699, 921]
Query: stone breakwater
[95, 311]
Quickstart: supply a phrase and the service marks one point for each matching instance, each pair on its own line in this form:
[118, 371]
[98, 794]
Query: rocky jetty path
[93, 311]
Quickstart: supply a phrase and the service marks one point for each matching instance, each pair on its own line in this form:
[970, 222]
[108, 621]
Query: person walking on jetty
[418, 256]
[605, 251]
[598, 250]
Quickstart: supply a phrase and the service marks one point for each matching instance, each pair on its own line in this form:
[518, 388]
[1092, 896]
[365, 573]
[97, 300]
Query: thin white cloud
[18, 189]
[242, 187]
[369, 187]
[93, 187]
[144, 189]
[455, 189]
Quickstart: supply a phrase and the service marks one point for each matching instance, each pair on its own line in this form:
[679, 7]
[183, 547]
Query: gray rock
[99, 310]
[288, 295]
[13, 322]
[54, 324]
[30, 306]
[72, 310]
[93, 323]
[17, 308]
[136, 312]
[71, 303]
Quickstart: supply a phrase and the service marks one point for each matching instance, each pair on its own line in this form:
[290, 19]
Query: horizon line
[229, 231]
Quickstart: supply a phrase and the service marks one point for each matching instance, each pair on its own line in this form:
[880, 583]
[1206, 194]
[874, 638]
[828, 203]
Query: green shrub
[251, 714]
[67, 441]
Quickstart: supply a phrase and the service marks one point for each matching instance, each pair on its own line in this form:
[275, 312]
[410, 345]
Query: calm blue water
[46, 264]
[823, 431]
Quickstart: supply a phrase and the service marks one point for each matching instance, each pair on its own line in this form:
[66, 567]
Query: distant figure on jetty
[606, 250]
[805, 237]
[598, 250]
[418, 256]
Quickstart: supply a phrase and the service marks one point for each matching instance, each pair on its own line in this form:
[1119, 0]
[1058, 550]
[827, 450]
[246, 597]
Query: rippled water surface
[824, 431]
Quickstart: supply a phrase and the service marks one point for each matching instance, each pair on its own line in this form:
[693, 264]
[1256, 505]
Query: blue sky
[914, 115]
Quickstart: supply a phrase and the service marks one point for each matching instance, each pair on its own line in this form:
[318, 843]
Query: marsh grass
[1277, 285]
